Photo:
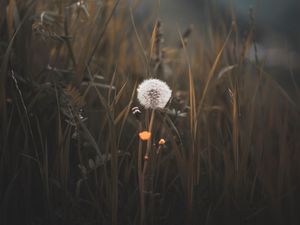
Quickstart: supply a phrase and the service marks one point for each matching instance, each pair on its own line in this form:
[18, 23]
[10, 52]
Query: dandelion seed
[145, 135]
[153, 93]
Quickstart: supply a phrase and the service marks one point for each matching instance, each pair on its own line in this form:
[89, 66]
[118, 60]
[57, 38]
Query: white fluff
[153, 93]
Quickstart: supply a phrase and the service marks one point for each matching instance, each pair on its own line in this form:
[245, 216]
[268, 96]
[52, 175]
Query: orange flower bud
[145, 135]
[162, 141]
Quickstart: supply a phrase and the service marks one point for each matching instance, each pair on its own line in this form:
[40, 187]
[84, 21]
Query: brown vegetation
[69, 142]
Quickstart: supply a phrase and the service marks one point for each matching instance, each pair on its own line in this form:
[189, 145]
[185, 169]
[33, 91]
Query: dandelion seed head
[153, 93]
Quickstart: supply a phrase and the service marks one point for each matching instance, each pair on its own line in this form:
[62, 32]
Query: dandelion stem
[149, 143]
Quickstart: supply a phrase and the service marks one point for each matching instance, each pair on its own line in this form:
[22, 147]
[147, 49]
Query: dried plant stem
[142, 172]
[149, 142]
[141, 178]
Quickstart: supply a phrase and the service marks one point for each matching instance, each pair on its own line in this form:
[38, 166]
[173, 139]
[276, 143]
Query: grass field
[224, 150]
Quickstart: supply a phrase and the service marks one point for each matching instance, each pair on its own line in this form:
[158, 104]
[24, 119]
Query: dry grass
[69, 146]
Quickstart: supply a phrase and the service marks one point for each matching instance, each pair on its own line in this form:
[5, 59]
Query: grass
[69, 146]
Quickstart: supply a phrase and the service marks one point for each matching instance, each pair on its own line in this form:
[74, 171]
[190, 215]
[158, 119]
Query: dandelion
[145, 135]
[153, 93]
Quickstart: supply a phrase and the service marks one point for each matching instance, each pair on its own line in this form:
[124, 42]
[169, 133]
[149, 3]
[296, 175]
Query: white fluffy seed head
[153, 93]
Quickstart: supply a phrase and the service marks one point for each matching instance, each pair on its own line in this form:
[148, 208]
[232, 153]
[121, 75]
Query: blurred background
[277, 30]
